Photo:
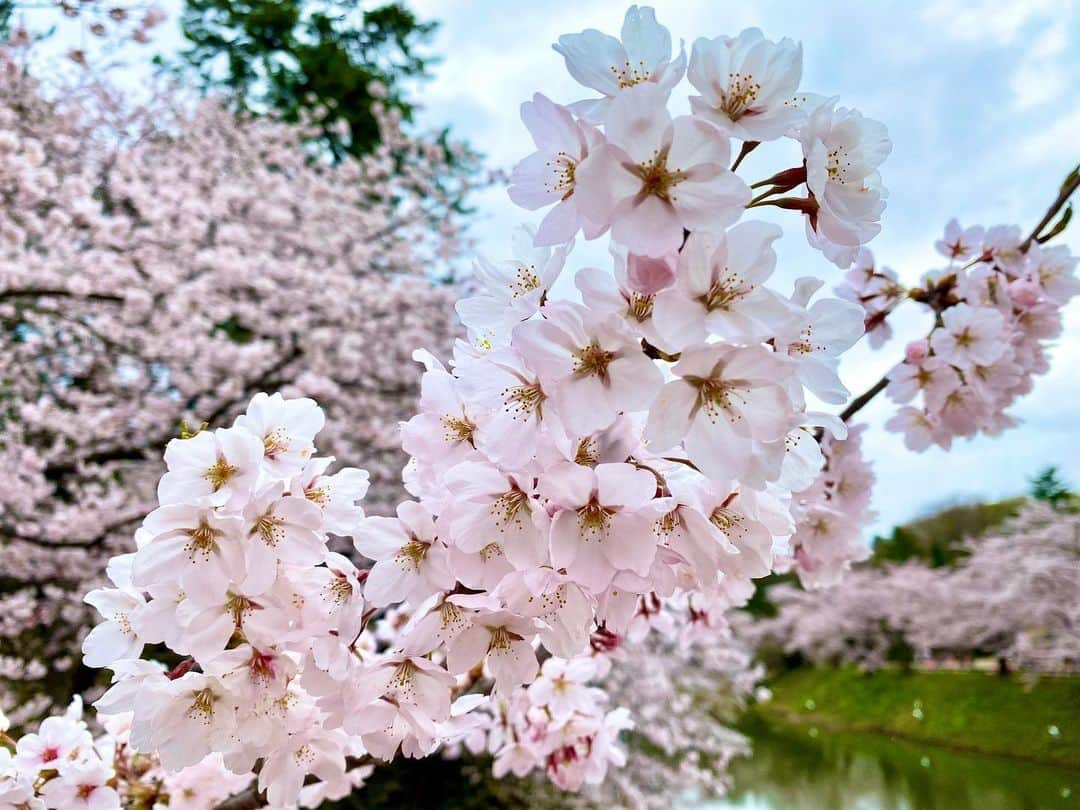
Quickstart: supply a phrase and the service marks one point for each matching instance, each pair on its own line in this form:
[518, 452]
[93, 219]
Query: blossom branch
[1068, 187]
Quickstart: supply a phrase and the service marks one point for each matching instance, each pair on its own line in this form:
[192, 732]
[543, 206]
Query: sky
[981, 101]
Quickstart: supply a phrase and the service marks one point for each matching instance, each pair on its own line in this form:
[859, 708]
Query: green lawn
[970, 711]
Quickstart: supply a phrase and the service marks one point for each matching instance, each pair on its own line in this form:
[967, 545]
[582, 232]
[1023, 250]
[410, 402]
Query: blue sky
[981, 102]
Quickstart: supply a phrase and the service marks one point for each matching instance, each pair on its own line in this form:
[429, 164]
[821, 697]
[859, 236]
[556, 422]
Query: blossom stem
[1072, 182]
[747, 148]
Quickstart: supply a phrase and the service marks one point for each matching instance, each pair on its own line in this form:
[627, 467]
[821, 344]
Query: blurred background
[282, 185]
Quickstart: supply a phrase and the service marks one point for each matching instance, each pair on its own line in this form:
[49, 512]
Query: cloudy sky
[980, 98]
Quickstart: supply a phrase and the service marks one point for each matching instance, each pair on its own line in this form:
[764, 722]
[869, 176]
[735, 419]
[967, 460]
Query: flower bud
[1024, 292]
[917, 351]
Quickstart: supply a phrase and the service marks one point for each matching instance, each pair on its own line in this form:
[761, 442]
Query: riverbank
[964, 711]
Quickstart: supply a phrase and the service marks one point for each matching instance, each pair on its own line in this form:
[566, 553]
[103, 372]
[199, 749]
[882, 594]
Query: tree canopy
[333, 60]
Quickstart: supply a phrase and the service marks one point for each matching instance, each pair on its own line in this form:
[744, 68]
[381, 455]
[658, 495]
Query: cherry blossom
[748, 84]
[602, 523]
[594, 485]
[549, 175]
[656, 176]
[843, 151]
[592, 368]
[410, 561]
[609, 66]
[720, 287]
[726, 402]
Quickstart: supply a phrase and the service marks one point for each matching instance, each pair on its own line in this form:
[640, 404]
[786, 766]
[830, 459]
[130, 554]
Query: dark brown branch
[1072, 182]
[49, 292]
[860, 401]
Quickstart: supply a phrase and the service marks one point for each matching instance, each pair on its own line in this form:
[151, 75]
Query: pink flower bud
[1024, 292]
[917, 351]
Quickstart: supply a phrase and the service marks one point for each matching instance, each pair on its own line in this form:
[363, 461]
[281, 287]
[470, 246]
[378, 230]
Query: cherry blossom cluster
[1012, 596]
[622, 162]
[833, 514]
[577, 468]
[996, 308]
[61, 766]
[163, 263]
[561, 723]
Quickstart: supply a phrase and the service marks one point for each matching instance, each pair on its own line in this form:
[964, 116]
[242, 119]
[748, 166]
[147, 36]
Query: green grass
[970, 711]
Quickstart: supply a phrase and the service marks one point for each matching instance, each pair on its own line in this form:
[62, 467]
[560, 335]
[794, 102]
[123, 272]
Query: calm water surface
[799, 768]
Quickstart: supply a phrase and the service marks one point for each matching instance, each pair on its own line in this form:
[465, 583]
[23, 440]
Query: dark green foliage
[314, 57]
[434, 783]
[938, 539]
[1048, 486]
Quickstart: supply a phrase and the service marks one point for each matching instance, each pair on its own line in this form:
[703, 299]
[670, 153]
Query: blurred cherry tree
[163, 263]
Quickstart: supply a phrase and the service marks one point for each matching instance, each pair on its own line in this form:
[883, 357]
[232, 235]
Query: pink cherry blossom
[747, 83]
[592, 368]
[611, 66]
[656, 176]
[549, 175]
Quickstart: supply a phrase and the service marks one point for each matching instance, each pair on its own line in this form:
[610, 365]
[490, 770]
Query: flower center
[724, 291]
[457, 429]
[318, 496]
[726, 520]
[563, 168]
[656, 179]
[239, 607]
[413, 553]
[202, 542]
[339, 590]
[269, 528]
[594, 521]
[262, 667]
[523, 400]
[716, 397]
[629, 75]
[275, 442]
[593, 360]
[507, 508]
[202, 706]
[525, 281]
[666, 524]
[837, 165]
[220, 473]
[740, 94]
[501, 638]
[639, 306]
[588, 452]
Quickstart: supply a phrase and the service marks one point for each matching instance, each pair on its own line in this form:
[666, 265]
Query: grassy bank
[969, 711]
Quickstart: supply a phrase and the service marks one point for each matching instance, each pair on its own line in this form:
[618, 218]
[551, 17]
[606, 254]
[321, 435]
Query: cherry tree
[590, 481]
[165, 263]
[1010, 596]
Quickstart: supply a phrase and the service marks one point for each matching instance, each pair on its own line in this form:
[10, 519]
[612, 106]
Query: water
[800, 768]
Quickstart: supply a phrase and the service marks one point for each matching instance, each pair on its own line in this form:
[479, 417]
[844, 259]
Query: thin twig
[1067, 188]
